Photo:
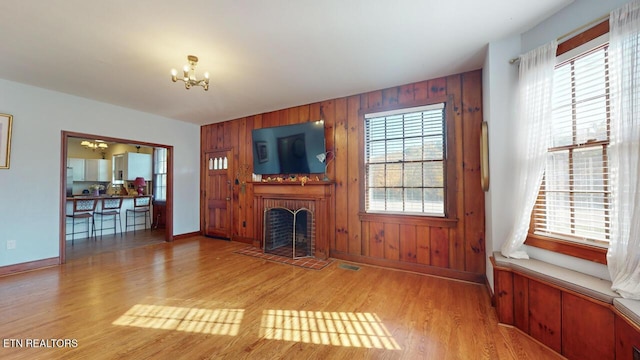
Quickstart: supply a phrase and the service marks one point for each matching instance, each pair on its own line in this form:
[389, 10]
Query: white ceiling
[262, 55]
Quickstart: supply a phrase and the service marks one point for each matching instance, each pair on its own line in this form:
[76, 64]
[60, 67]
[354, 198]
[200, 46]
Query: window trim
[583, 251]
[156, 173]
[450, 203]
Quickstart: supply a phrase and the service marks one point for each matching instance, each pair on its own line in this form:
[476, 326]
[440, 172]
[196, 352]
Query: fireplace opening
[288, 232]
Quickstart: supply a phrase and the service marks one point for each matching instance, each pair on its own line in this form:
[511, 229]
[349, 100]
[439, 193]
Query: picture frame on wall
[6, 122]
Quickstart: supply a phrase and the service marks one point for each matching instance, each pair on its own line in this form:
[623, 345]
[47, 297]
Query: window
[405, 161]
[160, 174]
[573, 203]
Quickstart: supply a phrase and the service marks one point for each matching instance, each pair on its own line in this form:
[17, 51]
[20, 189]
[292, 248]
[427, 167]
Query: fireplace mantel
[319, 192]
[311, 188]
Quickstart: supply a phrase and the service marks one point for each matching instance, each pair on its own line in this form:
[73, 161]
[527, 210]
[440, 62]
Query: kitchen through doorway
[95, 163]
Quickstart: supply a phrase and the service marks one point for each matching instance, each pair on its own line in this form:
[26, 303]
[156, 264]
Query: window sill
[409, 219]
[582, 251]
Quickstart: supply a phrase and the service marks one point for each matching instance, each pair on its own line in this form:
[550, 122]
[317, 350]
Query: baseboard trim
[186, 235]
[29, 266]
[418, 268]
[492, 296]
[242, 239]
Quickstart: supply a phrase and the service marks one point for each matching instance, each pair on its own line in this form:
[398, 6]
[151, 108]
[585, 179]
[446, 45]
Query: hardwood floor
[87, 247]
[197, 299]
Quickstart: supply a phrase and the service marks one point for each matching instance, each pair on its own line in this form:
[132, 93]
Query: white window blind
[574, 198]
[405, 161]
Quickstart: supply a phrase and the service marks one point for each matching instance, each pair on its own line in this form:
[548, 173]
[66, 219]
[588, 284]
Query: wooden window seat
[575, 314]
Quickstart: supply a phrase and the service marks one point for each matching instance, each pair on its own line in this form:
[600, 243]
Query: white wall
[565, 21]
[30, 189]
[499, 80]
[499, 89]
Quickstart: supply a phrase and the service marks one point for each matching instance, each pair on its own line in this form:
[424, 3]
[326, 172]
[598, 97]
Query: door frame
[65, 135]
[203, 187]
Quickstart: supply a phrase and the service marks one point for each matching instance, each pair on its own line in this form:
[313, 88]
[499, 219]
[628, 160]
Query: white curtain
[623, 257]
[533, 126]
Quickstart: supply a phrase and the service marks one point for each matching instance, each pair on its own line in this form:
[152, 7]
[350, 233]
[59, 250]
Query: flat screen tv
[289, 149]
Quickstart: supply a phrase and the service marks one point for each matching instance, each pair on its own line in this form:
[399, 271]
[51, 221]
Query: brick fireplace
[293, 220]
[288, 231]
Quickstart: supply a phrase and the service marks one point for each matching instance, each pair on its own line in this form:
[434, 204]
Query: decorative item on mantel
[294, 179]
[325, 158]
[95, 189]
[139, 183]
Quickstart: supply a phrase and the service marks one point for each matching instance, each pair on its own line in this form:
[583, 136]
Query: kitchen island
[127, 204]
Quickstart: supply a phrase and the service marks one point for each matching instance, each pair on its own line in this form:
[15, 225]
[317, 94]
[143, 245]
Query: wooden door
[217, 195]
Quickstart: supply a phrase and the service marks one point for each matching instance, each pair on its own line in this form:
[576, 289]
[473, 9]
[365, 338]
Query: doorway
[115, 242]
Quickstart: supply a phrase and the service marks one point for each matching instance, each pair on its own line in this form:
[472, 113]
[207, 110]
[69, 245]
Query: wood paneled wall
[447, 248]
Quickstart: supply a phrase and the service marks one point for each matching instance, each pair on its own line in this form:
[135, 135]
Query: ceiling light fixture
[189, 78]
[99, 144]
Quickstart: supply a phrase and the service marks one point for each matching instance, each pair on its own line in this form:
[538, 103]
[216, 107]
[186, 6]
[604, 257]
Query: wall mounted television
[289, 149]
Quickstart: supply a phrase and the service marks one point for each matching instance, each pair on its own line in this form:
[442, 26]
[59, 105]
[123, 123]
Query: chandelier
[189, 78]
[99, 144]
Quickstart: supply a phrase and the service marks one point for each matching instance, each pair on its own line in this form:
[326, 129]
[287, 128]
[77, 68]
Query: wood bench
[575, 314]
[627, 328]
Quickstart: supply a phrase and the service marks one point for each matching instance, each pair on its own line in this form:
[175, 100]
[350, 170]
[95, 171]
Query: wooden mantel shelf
[311, 188]
[320, 193]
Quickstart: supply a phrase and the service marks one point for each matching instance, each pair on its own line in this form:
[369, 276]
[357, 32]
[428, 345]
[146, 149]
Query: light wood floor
[197, 299]
[82, 248]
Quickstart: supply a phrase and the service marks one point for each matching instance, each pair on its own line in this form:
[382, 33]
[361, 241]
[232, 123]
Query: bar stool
[141, 208]
[110, 207]
[82, 210]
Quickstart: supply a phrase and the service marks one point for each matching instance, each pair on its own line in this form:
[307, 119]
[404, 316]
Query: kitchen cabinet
[97, 170]
[129, 166]
[78, 168]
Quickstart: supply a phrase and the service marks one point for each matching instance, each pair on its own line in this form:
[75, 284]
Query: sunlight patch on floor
[351, 329]
[199, 320]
